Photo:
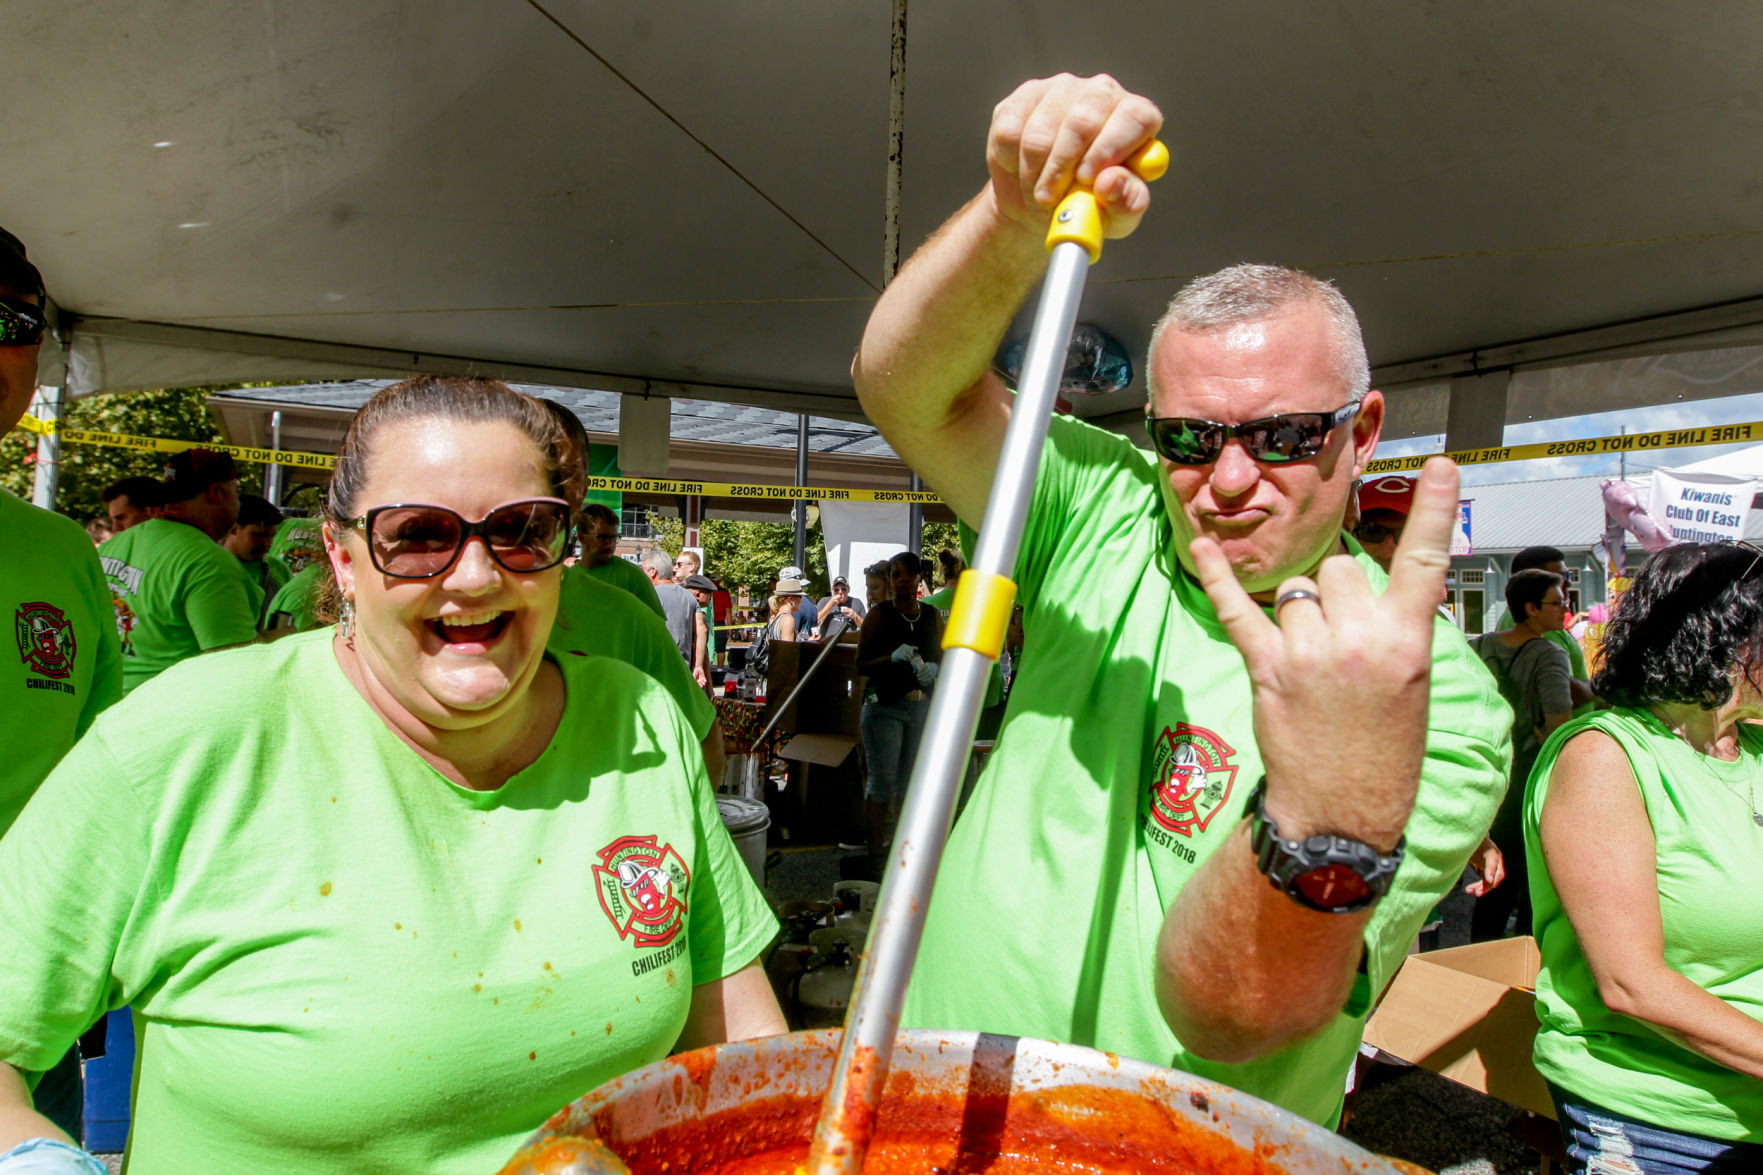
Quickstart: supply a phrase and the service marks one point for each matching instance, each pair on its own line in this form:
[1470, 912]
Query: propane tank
[823, 991]
[854, 903]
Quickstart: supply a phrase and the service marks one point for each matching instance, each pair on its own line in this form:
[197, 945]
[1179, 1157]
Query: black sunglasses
[1290, 436]
[1372, 533]
[420, 542]
[21, 324]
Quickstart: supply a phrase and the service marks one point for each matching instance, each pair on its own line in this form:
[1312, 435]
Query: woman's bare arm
[740, 1006]
[1603, 862]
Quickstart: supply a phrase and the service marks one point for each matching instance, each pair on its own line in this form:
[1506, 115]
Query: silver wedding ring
[1285, 598]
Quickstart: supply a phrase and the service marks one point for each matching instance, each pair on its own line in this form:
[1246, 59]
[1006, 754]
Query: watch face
[1332, 886]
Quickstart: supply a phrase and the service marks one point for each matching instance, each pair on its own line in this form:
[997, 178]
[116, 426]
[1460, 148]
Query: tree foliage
[750, 554]
[175, 413]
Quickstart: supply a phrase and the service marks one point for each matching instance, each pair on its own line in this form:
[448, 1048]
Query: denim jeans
[1604, 1142]
[891, 731]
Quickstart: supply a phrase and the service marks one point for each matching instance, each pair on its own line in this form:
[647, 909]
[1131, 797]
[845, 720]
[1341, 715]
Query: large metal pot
[960, 1098]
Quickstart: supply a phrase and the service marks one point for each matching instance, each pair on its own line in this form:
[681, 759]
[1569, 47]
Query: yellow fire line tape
[1676, 438]
[123, 440]
[1722, 434]
[640, 485]
[724, 489]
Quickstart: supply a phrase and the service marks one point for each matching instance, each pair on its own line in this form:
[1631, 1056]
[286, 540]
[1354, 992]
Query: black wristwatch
[1333, 874]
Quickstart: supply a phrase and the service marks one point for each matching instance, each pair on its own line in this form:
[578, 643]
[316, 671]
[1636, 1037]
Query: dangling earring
[346, 622]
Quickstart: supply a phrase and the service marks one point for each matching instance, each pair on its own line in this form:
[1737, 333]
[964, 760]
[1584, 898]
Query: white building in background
[1565, 513]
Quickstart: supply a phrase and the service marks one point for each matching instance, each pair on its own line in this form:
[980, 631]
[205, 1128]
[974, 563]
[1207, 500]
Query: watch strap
[1328, 873]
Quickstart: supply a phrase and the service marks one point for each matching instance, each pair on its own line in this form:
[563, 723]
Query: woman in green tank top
[1646, 853]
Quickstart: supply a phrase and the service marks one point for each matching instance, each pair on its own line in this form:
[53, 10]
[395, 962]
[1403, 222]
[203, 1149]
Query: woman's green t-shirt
[1710, 865]
[338, 960]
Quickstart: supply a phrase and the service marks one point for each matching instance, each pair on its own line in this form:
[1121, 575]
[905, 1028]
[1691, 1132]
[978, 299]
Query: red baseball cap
[1387, 493]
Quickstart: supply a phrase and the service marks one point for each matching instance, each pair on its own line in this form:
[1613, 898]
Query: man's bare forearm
[1242, 969]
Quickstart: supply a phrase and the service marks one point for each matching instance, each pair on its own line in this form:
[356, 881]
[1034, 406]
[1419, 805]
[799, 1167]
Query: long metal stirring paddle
[977, 624]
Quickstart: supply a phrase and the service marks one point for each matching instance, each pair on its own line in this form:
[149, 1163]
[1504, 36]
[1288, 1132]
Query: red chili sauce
[1069, 1129]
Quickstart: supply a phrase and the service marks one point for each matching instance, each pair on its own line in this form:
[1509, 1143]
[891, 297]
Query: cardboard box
[1468, 1013]
[833, 701]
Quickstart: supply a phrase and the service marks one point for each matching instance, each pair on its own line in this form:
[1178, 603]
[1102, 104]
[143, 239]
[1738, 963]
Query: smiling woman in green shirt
[384, 896]
[1646, 847]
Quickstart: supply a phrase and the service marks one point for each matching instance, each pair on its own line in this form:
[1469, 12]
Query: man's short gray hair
[660, 562]
[1251, 293]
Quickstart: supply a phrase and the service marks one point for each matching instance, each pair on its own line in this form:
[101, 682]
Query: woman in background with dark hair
[1646, 854]
[899, 649]
[385, 896]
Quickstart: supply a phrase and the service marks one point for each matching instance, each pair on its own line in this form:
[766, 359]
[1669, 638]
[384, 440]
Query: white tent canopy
[687, 198]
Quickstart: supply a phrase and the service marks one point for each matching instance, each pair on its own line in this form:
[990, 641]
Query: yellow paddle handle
[980, 617]
[1078, 219]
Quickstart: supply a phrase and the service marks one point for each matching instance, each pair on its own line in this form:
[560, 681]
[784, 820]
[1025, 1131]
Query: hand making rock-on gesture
[1340, 674]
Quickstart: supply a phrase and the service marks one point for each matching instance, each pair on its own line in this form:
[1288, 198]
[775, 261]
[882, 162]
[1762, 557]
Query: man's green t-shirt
[298, 544]
[1575, 655]
[68, 666]
[267, 577]
[176, 592]
[622, 573]
[298, 598]
[595, 619]
[1710, 866]
[338, 960]
[1126, 757]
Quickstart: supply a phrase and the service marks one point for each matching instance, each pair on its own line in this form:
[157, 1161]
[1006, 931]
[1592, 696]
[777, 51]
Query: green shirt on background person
[338, 960]
[299, 543]
[69, 664]
[622, 573]
[595, 619]
[1126, 757]
[1575, 655]
[1709, 872]
[298, 598]
[176, 593]
[268, 577]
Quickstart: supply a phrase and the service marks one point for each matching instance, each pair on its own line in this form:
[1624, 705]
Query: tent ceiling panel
[469, 180]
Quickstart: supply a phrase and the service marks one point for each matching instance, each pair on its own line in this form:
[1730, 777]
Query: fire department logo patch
[643, 886]
[45, 640]
[1191, 777]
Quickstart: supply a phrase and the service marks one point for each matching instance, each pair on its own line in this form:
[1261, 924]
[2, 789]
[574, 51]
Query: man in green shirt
[178, 592]
[599, 533]
[299, 543]
[1108, 882]
[1555, 563]
[130, 502]
[67, 666]
[596, 619]
[249, 540]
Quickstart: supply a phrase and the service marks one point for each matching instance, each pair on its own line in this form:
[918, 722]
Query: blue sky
[1730, 410]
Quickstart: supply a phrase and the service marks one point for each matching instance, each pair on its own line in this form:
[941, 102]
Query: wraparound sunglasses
[1289, 436]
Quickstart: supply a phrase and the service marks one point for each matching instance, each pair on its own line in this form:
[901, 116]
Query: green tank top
[1710, 864]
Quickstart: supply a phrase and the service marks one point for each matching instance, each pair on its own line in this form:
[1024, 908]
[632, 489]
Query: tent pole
[272, 472]
[891, 225]
[801, 507]
[47, 479]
